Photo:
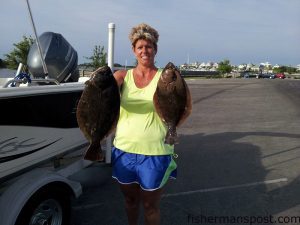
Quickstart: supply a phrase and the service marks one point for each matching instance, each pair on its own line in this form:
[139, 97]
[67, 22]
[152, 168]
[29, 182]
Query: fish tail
[171, 136]
[94, 152]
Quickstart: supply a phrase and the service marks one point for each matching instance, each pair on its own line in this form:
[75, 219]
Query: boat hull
[38, 124]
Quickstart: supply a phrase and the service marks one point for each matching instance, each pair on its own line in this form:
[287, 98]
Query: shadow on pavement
[219, 160]
[204, 162]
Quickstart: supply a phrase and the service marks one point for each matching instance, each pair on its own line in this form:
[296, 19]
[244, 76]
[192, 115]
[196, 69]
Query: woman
[142, 162]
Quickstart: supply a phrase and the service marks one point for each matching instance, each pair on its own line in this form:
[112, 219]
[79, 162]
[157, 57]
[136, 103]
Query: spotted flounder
[98, 110]
[172, 101]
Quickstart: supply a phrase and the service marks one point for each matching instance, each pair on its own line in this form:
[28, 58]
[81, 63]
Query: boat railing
[16, 81]
[22, 77]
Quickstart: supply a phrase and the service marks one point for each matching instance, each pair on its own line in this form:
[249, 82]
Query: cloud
[241, 30]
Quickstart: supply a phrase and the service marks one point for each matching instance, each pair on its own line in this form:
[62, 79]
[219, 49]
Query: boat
[38, 119]
[37, 124]
[41, 145]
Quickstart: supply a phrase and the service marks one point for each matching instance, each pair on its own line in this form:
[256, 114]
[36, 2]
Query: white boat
[38, 119]
[37, 123]
[41, 144]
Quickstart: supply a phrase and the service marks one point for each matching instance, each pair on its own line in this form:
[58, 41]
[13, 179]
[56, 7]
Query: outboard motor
[60, 57]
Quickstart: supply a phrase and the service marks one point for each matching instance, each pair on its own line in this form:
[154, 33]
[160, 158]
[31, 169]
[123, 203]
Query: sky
[243, 31]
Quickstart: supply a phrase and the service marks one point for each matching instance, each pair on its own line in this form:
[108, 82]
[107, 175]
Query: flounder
[172, 101]
[98, 110]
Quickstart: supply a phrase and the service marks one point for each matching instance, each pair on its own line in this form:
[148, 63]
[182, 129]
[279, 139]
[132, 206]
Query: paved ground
[239, 160]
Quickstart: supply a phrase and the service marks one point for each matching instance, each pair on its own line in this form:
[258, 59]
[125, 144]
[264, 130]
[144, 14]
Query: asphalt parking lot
[239, 160]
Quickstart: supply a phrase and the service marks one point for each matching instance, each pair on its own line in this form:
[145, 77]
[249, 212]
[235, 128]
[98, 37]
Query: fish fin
[113, 127]
[94, 152]
[171, 136]
[188, 107]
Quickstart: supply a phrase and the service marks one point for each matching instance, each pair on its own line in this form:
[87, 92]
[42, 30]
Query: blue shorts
[150, 172]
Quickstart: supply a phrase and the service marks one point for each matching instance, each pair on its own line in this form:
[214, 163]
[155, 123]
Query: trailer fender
[18, 193]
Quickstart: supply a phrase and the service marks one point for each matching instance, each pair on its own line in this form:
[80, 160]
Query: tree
[224, 66]
[98, 58]
[285, 69]
[280, 69]
[19, 53]
[291, 70]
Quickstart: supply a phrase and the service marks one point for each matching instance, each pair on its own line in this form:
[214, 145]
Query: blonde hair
[145, 32]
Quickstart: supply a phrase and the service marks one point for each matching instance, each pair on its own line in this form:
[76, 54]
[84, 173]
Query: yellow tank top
[139, 129]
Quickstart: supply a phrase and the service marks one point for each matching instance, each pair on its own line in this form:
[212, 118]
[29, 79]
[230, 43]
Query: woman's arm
[119, 76]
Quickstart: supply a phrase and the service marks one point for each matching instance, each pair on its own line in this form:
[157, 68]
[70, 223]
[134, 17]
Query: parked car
[280, 75]
[248, 75]
[266, 75]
